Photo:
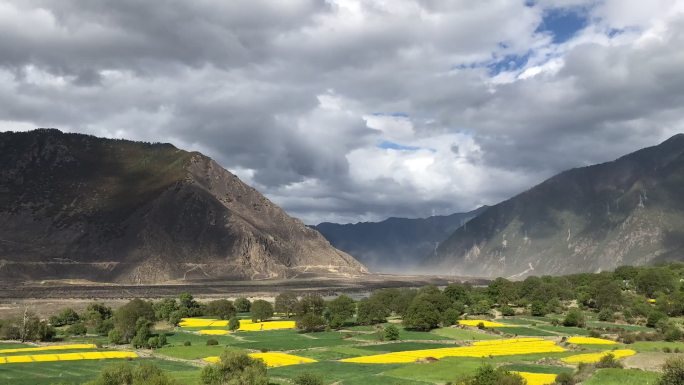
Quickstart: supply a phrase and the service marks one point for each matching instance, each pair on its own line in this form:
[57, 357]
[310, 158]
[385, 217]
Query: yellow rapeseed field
[47, 348]
[480, 349]
[245, 325]
[486, 323]
[537, 378]
[273, 359]
[589, 341]
[66, 357]
[591, 358]
[214, 332]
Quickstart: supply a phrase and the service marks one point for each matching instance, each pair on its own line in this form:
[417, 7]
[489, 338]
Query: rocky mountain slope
[79, 207]
[629, 211]
[395, 244]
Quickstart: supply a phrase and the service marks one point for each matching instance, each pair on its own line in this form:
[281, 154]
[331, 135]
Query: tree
[310, 323]
[67, 316]
[575, 317]
[188, 306]
[650, 281]
[458, 292]
[673, 372]
[502, 291]
[403, 300]
[261, 310]
[127, 374]
[286, 302]
[422, 315]
[487, 375]
[77, 329]
[233, 324]
[371, 312]
[164, 308]
[126, 317]
[222, 308]
[654, 318]
[307, 378]
[310, 304]
[143, 334]
[538, 309]
[242, 305]
[608, 295]
[235, 368]
[391, 333]
[340, 310]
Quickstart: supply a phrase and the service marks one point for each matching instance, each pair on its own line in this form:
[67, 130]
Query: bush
[187, 343]
[310, 323]
[507, 311]
[77, 329]
[124, 374]
[114, 337]
[487, 375]
[234, 324]
[481, 325]
[564, 379]
[575, 317]
[391, 333]
[606, 315]
[450, 317]
[608, 361]
[261, 310]
[212, 342]
[242, 305]
[235, 368]
[307, 378]
[673, 372]
[654, 317]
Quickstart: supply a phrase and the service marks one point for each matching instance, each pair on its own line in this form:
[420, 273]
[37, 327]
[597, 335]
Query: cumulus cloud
[349, 110]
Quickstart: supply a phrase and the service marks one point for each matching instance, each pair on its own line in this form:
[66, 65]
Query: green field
[622, 377]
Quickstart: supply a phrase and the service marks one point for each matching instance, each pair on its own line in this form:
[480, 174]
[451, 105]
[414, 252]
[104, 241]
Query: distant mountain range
[626, 212]
[395, 244]
[80, 207]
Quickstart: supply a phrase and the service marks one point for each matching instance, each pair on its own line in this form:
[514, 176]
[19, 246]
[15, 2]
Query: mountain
[626, 212]
[79, 207]
[394, 244]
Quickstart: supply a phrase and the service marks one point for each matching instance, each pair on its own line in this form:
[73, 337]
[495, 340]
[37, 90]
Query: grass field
[622, 377]
[77, 372]
[354, 342]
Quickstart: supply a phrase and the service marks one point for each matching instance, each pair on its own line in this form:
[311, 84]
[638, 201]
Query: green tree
[307, 378]
[538, 309]
[391, 333]
[235, 368]
[222, 308]
[458, 292]
[650, 281]
[371, 311]
[310, 304]
[143, 334]
[340, 310]
[164, 308]
[261, 310]
[127, 374]
[502, 291]
[575, 317]
[608, 295]
[77, 329]
[126, 317]
[286, 302]
[233, 324]
[422, 315]
[310, 323]
[242, 305]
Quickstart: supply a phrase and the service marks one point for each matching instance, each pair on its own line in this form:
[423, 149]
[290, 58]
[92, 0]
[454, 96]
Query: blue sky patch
[563, 23]
[387, 145]
[508, 63]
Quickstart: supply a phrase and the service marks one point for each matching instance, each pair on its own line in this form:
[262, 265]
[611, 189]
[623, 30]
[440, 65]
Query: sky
[355, 110]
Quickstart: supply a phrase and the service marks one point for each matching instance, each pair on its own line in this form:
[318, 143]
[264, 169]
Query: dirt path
[652, 361]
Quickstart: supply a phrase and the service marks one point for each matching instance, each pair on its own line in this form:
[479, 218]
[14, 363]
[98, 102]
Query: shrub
[235, 368]
[307, 378]
[608, 361]
[242, 305]
[187, 343]
[481, 325]
[564, 379]
[606, 315]
[77, 329]
[114, 337]
[507, 311]
[212, 342]
[667, 350]
[575, 317]
[673, 372]
[310, 323]
[153, 342]
[391, 333]
[654, 317]
[233, 324]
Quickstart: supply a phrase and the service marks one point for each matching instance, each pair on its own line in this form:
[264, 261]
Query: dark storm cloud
[297, 97]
